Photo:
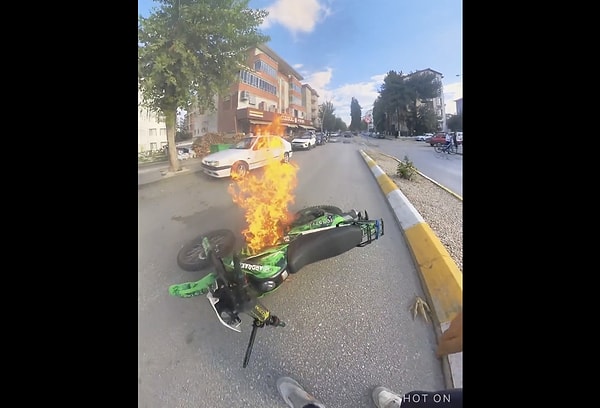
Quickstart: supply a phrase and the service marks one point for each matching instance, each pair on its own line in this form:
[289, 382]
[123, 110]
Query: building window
[163, 133]
[266, 68]
[252, 80]
[152, 133]
[153, 146]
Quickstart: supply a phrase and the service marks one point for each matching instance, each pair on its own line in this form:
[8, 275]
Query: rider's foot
[385, 398]
[295, 396]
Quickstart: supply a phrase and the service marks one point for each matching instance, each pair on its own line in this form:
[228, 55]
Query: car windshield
[245, 143]
[306, 136]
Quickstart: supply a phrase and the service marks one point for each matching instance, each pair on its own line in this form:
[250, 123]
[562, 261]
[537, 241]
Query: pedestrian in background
[455, 141]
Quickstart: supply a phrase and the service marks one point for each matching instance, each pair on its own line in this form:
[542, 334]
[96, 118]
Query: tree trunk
[174, 164]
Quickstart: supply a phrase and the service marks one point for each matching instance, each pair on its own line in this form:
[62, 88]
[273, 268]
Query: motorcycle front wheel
[192, 257]
[308, 214]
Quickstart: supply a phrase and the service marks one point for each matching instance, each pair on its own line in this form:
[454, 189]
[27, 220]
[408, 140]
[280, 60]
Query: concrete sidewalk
[153, 172]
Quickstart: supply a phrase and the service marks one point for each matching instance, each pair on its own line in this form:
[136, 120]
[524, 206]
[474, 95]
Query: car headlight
[214, 163]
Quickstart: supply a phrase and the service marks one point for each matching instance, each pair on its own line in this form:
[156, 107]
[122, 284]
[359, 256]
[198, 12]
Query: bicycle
[445, 148]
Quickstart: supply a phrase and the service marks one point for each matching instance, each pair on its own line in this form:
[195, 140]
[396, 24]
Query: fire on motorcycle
[238, 279]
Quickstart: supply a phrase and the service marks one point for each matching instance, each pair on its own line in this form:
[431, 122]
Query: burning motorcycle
[241, 278]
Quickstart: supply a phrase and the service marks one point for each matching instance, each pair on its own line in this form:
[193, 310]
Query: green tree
[191, 50]
[379, 115]
[326, 111]
[394, 100]
[455, 123]
[426, 120]
[420, 88]
[355, 114]
[340, 124]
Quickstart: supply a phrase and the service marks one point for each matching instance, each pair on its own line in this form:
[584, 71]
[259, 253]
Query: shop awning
[259, 122]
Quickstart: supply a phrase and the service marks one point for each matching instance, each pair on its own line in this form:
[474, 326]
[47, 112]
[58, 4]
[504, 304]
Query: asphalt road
[349, 327]
[445, 169]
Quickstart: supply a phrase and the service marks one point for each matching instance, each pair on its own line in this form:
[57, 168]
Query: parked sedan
[305, 141]
[438, 138]
[248, 154]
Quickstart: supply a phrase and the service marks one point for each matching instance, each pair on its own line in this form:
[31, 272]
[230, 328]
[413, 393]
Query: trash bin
[218, 147]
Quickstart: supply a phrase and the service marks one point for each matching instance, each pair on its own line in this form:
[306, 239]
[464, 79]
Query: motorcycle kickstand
[272, 321]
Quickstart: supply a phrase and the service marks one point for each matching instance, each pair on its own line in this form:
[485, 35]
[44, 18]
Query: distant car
[438, 138]
[305, 141]
[248, 154]
[334, 138]
[420, 138]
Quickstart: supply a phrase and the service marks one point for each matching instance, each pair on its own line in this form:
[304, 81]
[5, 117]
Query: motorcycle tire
[191, 257]
[308, 214]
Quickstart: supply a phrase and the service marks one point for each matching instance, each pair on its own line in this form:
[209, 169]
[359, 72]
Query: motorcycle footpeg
[225, 315]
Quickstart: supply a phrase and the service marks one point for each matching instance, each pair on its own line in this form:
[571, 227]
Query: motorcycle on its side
[239, 279]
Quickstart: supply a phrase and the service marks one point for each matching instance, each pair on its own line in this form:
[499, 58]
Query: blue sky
[344, 48]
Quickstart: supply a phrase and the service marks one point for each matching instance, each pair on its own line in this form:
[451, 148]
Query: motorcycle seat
[316, 246]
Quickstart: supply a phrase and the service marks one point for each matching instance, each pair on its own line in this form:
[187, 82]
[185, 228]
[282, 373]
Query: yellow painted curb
[441, 277]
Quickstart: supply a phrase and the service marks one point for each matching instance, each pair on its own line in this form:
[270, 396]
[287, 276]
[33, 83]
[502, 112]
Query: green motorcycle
[239, 278]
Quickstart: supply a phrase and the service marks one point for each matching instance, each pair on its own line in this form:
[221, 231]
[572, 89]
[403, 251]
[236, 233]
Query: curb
[440, 277]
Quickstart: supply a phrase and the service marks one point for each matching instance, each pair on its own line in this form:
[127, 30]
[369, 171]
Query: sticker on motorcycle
[322, 222]
[251, 267]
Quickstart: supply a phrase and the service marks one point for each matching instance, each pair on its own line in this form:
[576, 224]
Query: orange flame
[274, 128]
[265, 198]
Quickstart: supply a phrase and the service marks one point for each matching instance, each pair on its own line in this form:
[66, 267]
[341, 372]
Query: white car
[248, 154]
[306, 141]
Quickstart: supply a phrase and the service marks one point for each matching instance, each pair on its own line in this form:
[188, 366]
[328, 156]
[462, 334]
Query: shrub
[406, 169]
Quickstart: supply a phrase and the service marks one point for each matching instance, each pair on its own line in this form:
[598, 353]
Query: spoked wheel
[310, 213]
[192, 256]
[239, 170]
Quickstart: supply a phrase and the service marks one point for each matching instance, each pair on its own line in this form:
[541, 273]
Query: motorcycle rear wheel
[192, 257]
[310, 213]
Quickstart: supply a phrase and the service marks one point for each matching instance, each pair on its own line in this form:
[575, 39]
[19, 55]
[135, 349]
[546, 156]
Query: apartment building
[152, 130]
[268, 96]
[310, 100]
[458, 103]
[437, 104]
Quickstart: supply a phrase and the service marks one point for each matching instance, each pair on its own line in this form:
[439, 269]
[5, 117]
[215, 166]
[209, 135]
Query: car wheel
[239, 169]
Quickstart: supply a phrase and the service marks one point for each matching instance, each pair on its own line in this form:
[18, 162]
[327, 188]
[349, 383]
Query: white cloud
[341, 97]
[365, 92]
[296, 15]
[452, 92]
